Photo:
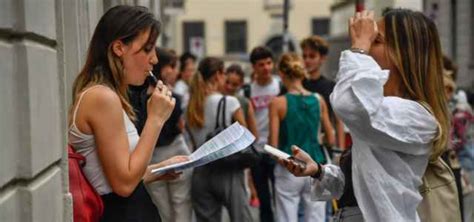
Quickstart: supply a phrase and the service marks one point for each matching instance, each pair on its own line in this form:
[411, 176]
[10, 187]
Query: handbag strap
[221, 112]
[220, 109]
[73, 155]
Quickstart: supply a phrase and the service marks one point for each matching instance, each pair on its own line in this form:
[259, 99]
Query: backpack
[247, 90]
[87, 204]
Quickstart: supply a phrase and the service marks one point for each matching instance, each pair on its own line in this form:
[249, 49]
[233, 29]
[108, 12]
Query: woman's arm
[239, 117]
[105, 116]
[326, 122]
[275, 118]
[251, 121]
[330, 183]
[391, 122]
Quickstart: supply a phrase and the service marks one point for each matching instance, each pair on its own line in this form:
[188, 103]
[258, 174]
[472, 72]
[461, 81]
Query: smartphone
[282, 155]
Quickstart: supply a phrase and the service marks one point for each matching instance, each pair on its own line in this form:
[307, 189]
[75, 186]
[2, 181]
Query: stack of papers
[233, 139]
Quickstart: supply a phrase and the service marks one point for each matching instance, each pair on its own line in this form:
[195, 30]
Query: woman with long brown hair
[214, 187]
[389, 93]
[121, 53]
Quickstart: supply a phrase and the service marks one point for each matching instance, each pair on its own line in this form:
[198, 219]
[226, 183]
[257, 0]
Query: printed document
[233, 139]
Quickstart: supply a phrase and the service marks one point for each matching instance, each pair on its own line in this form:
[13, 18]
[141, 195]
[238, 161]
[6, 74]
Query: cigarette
[151, 74]
[153, 78]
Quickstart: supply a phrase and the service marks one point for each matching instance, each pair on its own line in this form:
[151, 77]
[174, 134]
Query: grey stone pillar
[43, 45]
[32, 117]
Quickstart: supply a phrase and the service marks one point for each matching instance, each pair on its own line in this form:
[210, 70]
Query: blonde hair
[414, 48]
[291, 66]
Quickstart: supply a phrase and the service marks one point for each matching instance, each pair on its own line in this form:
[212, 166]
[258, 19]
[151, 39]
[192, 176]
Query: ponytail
[195, 111]
[207, 68]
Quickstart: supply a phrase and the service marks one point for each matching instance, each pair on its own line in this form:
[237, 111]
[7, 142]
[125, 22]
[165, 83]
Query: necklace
[301, 94]
[298, 91]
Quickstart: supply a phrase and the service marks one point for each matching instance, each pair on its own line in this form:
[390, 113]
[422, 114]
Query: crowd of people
[393, 110]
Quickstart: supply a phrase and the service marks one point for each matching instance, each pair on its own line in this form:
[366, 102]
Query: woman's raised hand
[161, 103]
[363, 30]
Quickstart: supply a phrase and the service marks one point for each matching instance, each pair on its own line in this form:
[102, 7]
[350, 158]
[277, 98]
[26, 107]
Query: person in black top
[172, 198]
[315, 50]
[138, 98]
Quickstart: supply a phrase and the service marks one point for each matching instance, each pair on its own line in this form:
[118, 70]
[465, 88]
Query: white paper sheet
[233, 139]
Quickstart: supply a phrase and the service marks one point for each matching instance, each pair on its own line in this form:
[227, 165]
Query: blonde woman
[388, 84]
[295, 119]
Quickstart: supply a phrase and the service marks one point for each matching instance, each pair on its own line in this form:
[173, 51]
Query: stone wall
[32, 114]
[42, 48]
[454, 23]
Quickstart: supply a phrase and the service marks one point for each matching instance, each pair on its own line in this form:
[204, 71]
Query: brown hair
[237, 69]
[315, 43]
[414, 48]
[207, 68]
[102, 66]
[291, 66]
[166, 57]
[451, 67]
[260, 52]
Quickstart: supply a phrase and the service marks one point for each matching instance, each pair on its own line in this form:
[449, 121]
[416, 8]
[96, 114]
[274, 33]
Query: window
[276, 45]
[192, 32]
[320, 26]
[173, 3]
[235, 36]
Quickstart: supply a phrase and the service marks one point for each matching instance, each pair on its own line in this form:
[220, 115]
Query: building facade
[232, 28]
[454, 19]
[341, 11]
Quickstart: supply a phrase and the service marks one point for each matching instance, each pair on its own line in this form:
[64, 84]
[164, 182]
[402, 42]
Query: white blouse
[392, 139]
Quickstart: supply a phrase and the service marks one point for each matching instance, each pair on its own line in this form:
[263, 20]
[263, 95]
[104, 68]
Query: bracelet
[357, 50]
[318, 173]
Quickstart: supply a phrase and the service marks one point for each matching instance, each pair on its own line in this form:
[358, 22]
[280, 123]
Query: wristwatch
[360, 51]
[318, 173]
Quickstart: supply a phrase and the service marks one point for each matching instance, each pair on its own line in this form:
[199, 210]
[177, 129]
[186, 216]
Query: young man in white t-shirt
[261, 91]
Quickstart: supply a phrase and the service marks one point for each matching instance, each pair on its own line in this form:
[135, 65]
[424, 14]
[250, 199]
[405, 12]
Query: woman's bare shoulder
[279, 100]
[101, 98]
[278, 103]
